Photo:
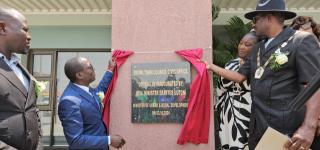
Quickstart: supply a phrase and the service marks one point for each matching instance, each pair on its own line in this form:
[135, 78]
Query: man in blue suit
[80, 108]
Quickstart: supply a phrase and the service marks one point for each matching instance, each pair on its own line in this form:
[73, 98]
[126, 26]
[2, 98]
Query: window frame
[53, 82]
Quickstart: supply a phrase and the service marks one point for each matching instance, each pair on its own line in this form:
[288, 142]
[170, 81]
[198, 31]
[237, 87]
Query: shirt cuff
[109, 140]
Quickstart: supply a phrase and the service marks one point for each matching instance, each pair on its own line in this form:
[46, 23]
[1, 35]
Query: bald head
[73, 66]
[14, 32]
[7, 14]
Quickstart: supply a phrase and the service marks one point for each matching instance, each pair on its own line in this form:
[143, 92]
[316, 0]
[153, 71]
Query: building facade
[62, 29]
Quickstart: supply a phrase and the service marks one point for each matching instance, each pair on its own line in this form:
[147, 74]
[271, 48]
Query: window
[41, 69]
[48, 65]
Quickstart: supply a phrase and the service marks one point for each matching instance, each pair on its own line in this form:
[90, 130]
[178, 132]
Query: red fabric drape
[120, 56]
[195, 128]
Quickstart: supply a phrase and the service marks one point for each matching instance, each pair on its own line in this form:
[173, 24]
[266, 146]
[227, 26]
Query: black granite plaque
[160, 92]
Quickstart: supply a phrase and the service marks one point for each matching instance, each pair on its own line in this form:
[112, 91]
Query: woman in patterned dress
[234, 102]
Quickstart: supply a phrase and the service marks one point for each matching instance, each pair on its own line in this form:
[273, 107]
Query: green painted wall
[70, 37]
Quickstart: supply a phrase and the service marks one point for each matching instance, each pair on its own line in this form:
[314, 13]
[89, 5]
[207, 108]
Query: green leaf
[215, 10]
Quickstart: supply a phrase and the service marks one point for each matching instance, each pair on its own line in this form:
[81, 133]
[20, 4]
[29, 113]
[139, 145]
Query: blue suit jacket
[81, 116]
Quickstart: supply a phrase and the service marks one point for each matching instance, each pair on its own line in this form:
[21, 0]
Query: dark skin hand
[117, 141]
[301, 140]
[112, 64]
[304, 136]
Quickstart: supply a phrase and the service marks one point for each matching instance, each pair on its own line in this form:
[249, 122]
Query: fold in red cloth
[120, 56]
[195, 128]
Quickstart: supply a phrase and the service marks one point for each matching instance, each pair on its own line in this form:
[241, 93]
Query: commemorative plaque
[160, 92]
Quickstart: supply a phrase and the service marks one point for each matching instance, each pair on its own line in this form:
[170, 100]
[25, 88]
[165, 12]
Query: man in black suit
[19, 120]
[278, 68]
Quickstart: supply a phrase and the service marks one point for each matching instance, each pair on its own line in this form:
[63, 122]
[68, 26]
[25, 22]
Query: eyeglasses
[255, 19]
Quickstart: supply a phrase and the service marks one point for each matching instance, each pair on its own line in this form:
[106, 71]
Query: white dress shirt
[12, 63]
[85, 88]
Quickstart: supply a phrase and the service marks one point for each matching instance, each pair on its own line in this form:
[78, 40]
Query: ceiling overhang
[63, 12]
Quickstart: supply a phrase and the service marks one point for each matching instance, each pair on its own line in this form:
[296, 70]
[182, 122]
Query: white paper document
[272, 140]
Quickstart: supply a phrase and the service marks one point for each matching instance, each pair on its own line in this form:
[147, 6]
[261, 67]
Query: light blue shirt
[12, 63]
[268, 42]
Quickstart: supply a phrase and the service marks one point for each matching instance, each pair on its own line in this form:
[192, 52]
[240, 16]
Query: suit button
[28, 132]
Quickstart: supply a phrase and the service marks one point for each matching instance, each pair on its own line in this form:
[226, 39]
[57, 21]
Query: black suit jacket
[19, 120]
[276, 89]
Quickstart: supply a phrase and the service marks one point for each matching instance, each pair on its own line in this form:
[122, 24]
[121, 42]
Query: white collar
[268, 42]
[14, 58]
[85, 88]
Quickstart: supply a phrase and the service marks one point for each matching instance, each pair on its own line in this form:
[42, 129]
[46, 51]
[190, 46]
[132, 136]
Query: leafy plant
[214, 10]
[220, 54]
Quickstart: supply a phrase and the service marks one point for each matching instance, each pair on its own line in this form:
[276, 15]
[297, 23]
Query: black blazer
[273, 93]
[19, 120]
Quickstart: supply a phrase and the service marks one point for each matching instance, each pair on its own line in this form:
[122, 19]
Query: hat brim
[286, 14]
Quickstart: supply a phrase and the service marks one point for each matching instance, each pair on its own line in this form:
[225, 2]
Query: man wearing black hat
[278, 69]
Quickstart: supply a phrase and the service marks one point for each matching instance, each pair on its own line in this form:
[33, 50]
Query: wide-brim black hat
[268, 6]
